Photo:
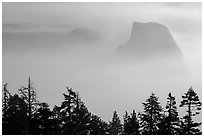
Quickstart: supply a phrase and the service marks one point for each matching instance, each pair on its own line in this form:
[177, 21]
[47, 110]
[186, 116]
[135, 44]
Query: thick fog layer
[75, 45]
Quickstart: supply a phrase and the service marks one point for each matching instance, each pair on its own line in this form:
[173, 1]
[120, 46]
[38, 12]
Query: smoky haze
[75, 45]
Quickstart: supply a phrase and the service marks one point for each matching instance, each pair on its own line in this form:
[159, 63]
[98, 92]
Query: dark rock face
[150, 40]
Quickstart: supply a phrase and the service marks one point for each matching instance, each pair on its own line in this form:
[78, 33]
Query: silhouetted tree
[29, 96]
[66, 112]
[5, 99]
[172, 119]
[115, 126]
[17, 116]
[170, 122]
[80, 117]
[75, 117]
[182, 127]
[193, 104]
[162, 125]
[57, 117]
[151, 116]
[126, 123]
[131, 124]
[42, 122]
[83, 119]
[98, 126]
[25, 115]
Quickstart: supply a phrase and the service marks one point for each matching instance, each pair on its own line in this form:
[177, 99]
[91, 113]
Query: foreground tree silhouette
[57, 117]
[66, 111]
[28, 94]
[115, 126]
[42, 122]
[5, 99]
[170, 122]
[24, 115]
[17, 116]
[151, 116]
[74, 115]
[193, 104]
[125, 123]
[131, 124]
[82, 119]
[98, 126]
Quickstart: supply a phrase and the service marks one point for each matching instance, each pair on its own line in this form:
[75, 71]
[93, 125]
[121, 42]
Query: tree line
[23, 114]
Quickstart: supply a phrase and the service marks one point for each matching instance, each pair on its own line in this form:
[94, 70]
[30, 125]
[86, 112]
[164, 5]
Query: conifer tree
[151, 116]
[28, 94]
[98, 126]
[193, 104]
[115, 125]
[42, 122]
[131, 124]
[5, 99]
[57, 118]
[17, 116]
[170, 121]
[126, 123]
[67, 112]
[81, 118]
[162, 125]
[75, 117]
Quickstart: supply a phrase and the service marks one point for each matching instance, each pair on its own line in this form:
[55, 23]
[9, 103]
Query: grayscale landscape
[109, 59]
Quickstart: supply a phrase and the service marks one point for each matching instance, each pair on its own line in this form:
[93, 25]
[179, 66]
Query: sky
[73, 44]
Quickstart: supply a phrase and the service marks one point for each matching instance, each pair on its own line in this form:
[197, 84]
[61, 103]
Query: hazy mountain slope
[150, 40]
